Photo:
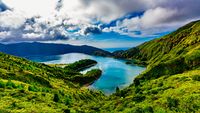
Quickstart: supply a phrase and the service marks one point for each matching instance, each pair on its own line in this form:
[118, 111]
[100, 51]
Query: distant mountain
[35, 48]
[170, 84]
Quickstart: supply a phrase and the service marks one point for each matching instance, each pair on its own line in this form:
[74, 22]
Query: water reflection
[115, 72]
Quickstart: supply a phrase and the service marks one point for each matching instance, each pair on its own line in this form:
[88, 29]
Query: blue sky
[100, 23]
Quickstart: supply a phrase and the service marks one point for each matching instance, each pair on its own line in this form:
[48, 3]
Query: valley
[170, 82]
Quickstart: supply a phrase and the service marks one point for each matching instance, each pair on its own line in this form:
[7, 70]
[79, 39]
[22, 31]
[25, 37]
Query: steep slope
[176, 44]
[168, 94]
[25, 86]
[36, 48]
[171, 82]
[171, 54]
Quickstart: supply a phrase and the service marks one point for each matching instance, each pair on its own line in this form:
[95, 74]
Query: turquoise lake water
[115, 72]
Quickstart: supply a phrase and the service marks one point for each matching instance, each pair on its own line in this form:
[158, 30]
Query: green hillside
[172, 79]
[170, 84]
[27, 87]
[168, 55]
[167, 94]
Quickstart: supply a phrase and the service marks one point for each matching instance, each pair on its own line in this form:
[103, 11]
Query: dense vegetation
[170, 84]
[171, 54]
[171, 81]
[81, 65]
[25, 86]
[88, 78]
[167, 94]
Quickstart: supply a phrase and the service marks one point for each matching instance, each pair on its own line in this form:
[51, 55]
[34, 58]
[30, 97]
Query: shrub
[56, 98]
[68, 100]
[10, 84]
[117, 89]
[160, 84]
[4, 111]
[155, 91]
[2, 84]
[137, 110]
[20, 87]
[148, 109]
[120, 93]
[67, 111]
[172, 102]
[33, 88]
[44, 89]
[42, 81]
[196, 77]
[183, 79]
[138, 90]
[14, 105]
[138, 98]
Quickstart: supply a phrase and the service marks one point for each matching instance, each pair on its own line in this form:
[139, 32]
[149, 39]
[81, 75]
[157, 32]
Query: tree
[56, 98]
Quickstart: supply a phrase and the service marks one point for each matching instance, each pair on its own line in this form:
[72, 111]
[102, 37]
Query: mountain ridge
[36, 48]
[170, 84]
[178, 49]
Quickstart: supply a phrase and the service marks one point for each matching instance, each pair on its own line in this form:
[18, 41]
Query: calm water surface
[115, 72]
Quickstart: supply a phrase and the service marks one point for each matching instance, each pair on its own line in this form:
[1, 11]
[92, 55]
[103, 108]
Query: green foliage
[94, 73]
[10, 84]
[88, 78]
[117, 89]
[81, 65]
[20, 87]
[26, 86]
[102, 53]
[67, 111]
[172, 102]
[148, 109]
[164, 94]
[56, 98]
[2, 84]
[137, 110]
[68, 100]
[33, 88]
[138, 98]
[170, 83]
[196, 77]
[172, 67]
[171, 54]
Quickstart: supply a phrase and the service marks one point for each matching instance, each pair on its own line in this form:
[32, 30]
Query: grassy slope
[170, 83]
[176, 44]
[171, 54]
[172, 79]
[167, 94]
[25, 86]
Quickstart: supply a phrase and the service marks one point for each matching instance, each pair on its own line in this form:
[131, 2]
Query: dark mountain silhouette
[36, 48]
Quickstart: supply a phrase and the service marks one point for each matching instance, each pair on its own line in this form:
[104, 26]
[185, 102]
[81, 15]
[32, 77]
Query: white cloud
[32, 36]
[49, 19]
[154, 21]
[11, 19]
[32, 7]
[157, 16]
[4, 34]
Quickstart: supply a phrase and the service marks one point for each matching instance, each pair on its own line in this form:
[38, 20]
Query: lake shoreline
[115, 72]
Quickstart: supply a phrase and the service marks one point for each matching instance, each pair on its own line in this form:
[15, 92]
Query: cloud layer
[33, 20]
